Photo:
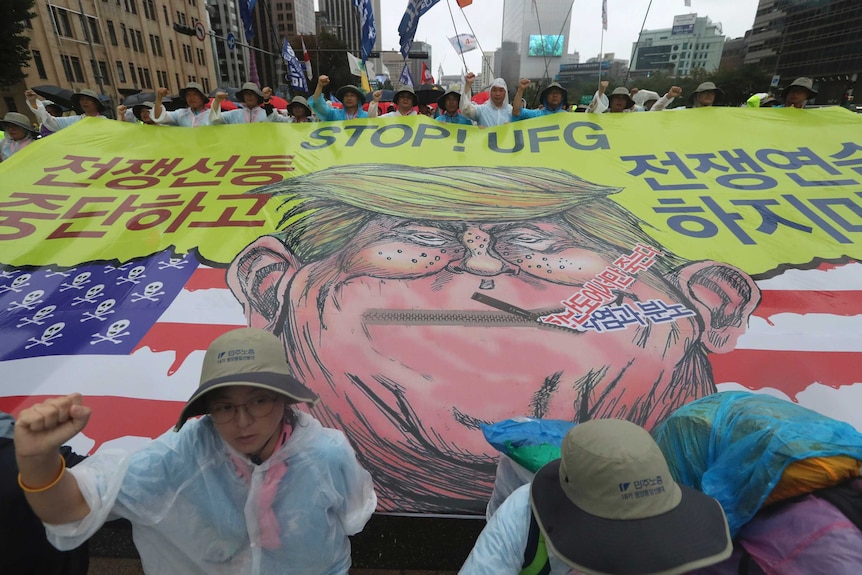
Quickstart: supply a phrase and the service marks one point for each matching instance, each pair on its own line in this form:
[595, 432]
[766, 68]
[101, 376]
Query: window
[201, 58]
[140, 39]
[94, 30]
[290, 27]
[149, 9]
[40, 66]
[206, 82]
[132, 73]
[60, 18]
[125, 35]
[112, 34]
[121, 72]
[156, 45]
[187, 53]
[173, 54]
[178, 82]
[100, 69]
[146, 79]
[167, 19]
[67, 67]
[77, 69]
[132, 6]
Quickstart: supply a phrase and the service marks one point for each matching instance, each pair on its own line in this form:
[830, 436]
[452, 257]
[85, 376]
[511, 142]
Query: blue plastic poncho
[734, 446]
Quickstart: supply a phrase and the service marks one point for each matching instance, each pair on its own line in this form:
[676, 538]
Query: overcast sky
[624, 22]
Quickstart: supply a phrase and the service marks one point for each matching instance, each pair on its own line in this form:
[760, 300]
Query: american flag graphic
[131, 338]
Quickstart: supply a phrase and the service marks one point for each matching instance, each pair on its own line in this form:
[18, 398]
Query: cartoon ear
[258, 277]
[724, 296]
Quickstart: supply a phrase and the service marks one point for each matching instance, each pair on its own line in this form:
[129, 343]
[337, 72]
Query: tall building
[536, 35]
[228, 42]
[691, 43]
[394, 62]
[273, 22]
[815, 38]
[135, 45]
[342, 19]
[487, 74]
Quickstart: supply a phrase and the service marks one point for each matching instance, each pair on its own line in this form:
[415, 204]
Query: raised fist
[44, 427]
[323, 80]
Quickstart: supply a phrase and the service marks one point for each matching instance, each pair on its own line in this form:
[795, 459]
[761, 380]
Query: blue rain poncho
[734, 446]
[193, 512]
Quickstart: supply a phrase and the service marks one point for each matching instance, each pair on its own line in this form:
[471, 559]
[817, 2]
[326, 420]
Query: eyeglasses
[259, 406]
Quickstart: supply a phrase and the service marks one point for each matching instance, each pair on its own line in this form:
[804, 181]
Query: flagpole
[455, 28]
[637, 43]
[601, 54]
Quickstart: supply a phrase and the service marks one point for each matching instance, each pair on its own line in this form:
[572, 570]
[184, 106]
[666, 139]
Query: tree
[333, 61]
[14, 44]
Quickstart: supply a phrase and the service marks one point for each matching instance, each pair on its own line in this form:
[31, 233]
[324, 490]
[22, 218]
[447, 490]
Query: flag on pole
[306, 61]
[688, 3]
[355, 64]
[464, 3]
[604, 14]
[440, 73]
[464, 43]
[294, 68]
[369, 29]
[406, 78]
[427, 78]
[410, 21]
[246, 7]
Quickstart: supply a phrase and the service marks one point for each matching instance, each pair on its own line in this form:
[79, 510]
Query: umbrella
[139, 98]
[481, 97]
[428, 93]
[388, 96]
[225, 105]
[278, 102]
[61, 96]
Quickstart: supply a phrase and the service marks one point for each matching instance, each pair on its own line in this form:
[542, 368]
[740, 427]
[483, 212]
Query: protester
[667, 99]
[86, 103]
[618, 101]
[251, 112]
[350, 97]
[405, 101]
[553, 99]
[644, 99]
[707, 94]
[18, 133]
[195, 115]
[762, 100]
[24, 549]
[55, 110]
[424, 109]
[495, 111]
[251, 487]
[797, 94]
[448, 106]
[299, 112]
[608, 506]
[142, 113]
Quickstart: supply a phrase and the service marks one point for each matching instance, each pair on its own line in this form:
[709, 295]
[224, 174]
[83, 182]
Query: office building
[535, 38]
[273, 22]
[232, 53]
[691, 43]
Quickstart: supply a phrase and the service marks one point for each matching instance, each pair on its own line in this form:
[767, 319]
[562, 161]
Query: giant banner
[428, 278]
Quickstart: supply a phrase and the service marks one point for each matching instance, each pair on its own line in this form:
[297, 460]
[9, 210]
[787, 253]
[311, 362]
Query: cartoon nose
[479, 258]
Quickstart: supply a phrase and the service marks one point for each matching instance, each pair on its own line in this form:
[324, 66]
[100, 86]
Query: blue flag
[246, 7]
[410, 21]
[406, 78]
[295, 72]
[369, 29]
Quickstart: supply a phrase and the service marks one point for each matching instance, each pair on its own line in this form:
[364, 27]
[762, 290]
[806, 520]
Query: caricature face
[118, 327]
[386, 332]
[44, 312]
[153, 288]
[53, 330]
[95, 290]
[33, 296]
[105, 306]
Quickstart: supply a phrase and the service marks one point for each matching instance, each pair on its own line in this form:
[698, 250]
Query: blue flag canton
[91, 309]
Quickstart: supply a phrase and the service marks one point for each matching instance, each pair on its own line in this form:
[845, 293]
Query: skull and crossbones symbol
[102, 311]
[115, 330]
[52, 332]
[44, 313]
[78, 282]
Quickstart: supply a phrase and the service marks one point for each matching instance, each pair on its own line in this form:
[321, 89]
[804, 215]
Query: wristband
[50, 485]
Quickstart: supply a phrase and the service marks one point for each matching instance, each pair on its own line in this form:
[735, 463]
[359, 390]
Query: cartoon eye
[529, 240]
[429, 239]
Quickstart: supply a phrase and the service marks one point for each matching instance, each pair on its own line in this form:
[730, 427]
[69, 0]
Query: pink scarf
[270, 532]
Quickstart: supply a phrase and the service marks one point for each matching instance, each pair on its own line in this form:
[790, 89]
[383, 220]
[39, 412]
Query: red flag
[427, 78]
[463, 3]
[306, 60]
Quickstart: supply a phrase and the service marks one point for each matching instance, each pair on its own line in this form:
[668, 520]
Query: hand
[267, 92]
[121, 111]
[44, 427]
[30, 95]
[469, 78]
[377, 95]
[220, 96]
[674, 92]
[604, 85]
[162, 92]
[523, 83]
[323, 80]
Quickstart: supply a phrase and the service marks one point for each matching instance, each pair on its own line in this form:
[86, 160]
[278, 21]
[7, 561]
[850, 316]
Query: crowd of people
[453, 106]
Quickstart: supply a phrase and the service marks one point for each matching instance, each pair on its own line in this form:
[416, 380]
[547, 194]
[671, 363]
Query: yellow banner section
[754, 188]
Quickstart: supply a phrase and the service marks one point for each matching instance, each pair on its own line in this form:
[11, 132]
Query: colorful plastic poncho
[735, 446]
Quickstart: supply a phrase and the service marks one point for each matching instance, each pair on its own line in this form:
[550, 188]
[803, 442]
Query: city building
[733, 55]
[691, 43]
[815, 38]
[535, 38]
[611, 68]
[273, 22]
[228, 42]
[342, 20]
[118, 48]
[393, 61]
